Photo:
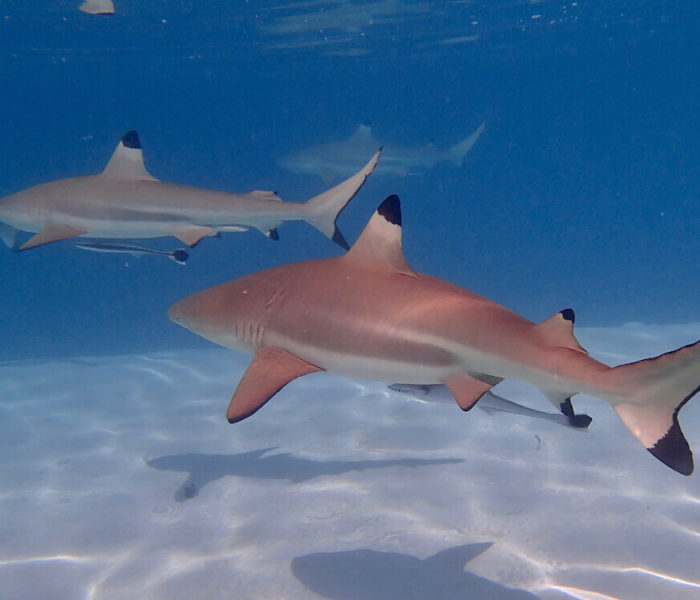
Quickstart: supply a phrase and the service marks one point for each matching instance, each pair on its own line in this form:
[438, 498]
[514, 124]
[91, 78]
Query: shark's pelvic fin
[270, 371]
[380, 242]
[467, 390]
[193, 234]
[52, 233]
[127, 160]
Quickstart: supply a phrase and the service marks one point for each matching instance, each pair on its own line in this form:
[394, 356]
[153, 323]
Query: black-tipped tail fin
[660, 387]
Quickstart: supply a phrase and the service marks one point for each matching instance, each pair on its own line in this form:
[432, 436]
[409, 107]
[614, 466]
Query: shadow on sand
[372, 575]
[205, 468]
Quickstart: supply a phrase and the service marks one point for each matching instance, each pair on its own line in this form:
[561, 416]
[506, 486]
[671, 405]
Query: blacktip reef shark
[490, 402]
[178, 255]
[126, 201]
[368, 314]
[335, 160]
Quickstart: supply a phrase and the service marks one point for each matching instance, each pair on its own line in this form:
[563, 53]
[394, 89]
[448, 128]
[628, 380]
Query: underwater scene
[381, 299]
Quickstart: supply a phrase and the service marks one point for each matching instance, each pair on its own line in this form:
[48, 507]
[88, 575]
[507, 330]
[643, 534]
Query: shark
[126, 201]
[335, 160]
[367, 314]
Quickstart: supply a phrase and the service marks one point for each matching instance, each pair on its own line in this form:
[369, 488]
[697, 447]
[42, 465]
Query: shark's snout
[177, 314]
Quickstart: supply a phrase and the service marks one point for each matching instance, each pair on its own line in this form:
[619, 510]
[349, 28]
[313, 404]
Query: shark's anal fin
[52, 233]
[270, 371]
[193, 234]
[467, 390]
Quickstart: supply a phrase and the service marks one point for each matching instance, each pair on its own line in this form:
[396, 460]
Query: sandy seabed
[122, 479]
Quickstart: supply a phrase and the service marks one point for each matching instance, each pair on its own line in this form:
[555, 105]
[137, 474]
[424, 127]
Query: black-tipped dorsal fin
[559, 330]
[127, 160]
[380, 241]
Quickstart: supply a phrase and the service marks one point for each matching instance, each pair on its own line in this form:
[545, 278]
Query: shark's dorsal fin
[559, 330]
[127, 160]
[380, 241]
[362, 133]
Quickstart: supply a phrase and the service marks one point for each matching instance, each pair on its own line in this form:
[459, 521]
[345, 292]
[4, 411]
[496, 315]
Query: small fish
[178, 255]
[490, 402]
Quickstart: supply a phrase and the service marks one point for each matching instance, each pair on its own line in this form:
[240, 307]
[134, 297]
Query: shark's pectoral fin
[270, 371]
[193, 234]
[467, 390]
[52, 233]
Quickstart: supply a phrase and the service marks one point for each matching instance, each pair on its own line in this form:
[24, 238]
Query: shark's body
[367, 314]
[125, 201]
[335, 160]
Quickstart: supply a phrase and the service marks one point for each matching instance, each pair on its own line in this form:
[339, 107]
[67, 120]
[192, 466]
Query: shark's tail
[656, 390]
[458, 153]
[322, 211]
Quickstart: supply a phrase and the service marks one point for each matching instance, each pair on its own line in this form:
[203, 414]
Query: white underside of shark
[125, 201]
[367, 314]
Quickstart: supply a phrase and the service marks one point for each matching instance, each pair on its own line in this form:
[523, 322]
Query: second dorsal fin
[559, 330]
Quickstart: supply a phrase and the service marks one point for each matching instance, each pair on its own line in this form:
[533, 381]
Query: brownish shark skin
[367, 314]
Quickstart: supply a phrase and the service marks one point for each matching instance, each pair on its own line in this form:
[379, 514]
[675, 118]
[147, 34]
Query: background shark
[338, 159]
[368, 315]
[126, 201]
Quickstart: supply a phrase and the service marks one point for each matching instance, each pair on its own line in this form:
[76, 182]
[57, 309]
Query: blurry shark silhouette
[335, 160]
[125, 201]
[97, 7]
[367, 314]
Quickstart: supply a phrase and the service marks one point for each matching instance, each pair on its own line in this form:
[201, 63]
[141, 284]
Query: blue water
[582, 191]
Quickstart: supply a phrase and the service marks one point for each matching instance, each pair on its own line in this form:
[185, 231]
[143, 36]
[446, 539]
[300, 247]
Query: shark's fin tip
[673, 450]
[131, 140]
[580, 421]
[568, 315]
[390, 209]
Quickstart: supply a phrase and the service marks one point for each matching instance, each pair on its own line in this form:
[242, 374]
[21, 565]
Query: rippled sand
[122, 479]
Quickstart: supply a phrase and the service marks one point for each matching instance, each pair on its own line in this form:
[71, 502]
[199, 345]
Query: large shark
[335, 160]
[368, 314]
[126, 201]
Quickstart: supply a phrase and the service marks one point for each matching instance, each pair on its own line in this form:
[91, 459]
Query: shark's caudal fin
[660, 387]
[323, 210]
[458, 153]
